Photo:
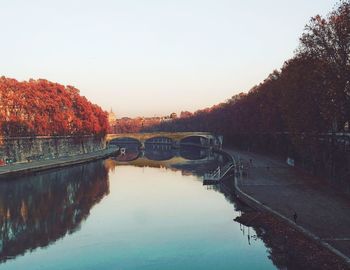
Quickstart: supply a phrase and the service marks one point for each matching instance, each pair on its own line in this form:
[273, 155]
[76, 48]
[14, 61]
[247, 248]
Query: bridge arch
[122, 141]
[197, 140]
[159, 155]
[128, 156]
[194, 153]
[159, 140]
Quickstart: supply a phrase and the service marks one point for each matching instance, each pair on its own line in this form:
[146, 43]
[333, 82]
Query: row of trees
[40, 107]
[309, 95]
[132, 125]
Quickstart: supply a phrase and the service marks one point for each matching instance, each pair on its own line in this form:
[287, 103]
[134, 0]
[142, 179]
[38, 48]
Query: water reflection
[151, 216]
[39, 209]
[44, 207]
[188, 159]
[159, 152]
[131, 153]
[195, 153]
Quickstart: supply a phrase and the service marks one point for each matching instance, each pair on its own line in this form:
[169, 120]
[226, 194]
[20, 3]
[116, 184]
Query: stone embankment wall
[24, 149]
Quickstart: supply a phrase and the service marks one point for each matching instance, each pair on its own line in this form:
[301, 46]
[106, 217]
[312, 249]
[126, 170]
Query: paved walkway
[22, 168]
[287, 190]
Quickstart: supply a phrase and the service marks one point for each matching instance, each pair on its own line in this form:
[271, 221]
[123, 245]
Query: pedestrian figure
[251, 161]
[295, 216]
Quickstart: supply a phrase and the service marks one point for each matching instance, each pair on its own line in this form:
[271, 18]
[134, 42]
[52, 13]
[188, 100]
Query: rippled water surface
[120, 214]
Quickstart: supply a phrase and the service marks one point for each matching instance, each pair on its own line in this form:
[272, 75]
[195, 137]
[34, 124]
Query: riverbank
[35, 166]
[273, 186]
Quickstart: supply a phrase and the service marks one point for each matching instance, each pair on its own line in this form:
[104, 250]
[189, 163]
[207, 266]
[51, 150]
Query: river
[144, 210]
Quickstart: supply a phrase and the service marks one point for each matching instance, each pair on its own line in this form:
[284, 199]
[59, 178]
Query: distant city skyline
[152, 58]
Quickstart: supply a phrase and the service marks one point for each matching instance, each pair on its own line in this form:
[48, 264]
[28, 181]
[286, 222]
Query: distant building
[173, 115]
[111, 117]
[165, 119]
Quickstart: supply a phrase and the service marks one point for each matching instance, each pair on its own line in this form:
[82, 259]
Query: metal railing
[218, 173]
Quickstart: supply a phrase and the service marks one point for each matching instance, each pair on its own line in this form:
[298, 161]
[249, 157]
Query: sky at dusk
[152, 57]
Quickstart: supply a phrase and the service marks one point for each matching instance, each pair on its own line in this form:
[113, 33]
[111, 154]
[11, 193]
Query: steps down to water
[213, 178]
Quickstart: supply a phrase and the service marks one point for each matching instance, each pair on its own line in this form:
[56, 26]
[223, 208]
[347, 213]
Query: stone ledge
[25, 168]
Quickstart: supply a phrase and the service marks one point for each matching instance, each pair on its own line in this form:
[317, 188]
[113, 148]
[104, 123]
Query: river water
[147, 210]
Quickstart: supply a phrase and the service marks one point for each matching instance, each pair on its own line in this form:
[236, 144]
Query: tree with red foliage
[40, 107]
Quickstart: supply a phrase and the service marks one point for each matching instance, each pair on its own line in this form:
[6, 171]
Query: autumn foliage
[133, 125]
[310, 94]
[40, 107]
[290, 111]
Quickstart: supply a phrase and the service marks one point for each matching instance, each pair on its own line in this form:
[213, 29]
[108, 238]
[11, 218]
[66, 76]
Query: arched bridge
[175, 139]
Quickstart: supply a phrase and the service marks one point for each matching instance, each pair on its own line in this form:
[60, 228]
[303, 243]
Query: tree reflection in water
[188, 159]
[37, 210]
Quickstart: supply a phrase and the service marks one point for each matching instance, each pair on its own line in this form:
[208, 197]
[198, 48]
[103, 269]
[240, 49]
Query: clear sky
[152, 57]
